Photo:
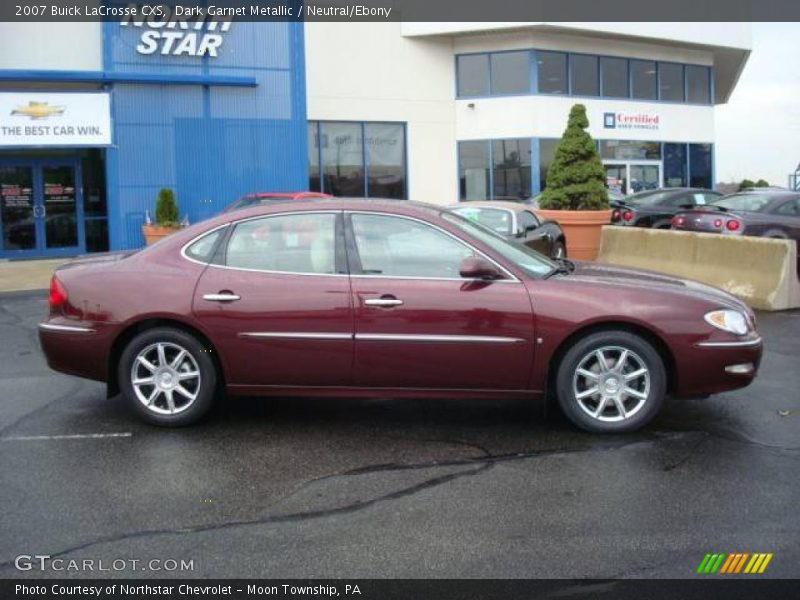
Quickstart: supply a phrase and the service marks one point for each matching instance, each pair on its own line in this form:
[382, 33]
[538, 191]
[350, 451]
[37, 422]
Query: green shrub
[576, 179]
[166, 208]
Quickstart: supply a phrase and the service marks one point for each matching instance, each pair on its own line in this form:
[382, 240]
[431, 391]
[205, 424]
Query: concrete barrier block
[760, 271]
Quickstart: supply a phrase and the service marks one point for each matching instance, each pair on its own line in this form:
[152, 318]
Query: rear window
[746, 202]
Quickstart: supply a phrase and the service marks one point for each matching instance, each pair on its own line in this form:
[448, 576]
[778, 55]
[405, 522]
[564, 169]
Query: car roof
[507, 204]
[288, 195]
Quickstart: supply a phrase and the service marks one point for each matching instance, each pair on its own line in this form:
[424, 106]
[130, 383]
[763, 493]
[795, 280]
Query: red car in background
[387, 299]
[258, 198]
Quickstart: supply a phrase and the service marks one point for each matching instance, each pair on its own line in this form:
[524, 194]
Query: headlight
[727, 320]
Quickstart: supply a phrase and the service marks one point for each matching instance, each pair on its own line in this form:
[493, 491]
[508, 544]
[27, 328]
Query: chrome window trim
[197, 238]
[65, 328]
[296, 335]
[741, 344]
[511, 277]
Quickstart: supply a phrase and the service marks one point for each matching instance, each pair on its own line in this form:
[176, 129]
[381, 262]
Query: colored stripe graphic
[728, 563]
[734, 563]
[703, 563]
[741, 562]
[765, 563]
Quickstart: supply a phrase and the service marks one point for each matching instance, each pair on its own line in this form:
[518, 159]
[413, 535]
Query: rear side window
[203, 249]
[300, 243]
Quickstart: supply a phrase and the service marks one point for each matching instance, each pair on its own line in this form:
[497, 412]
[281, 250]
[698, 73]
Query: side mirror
[476, 267]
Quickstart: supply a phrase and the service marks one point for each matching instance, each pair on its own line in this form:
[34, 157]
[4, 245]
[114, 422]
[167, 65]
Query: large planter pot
[154, 233]
[582, 229]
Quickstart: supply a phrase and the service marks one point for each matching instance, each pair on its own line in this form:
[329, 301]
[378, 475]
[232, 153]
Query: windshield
[498, 220]
[530, 261]
[746, 202]
[649, 198]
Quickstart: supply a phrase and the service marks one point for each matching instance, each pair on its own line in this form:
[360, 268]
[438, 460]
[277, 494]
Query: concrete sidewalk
[27, 274]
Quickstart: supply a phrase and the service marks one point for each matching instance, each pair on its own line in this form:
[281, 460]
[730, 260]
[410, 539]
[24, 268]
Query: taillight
[718, 223]
[678, 221]
[627, 215]
[733, 225]
[615, 215]
[58, 293]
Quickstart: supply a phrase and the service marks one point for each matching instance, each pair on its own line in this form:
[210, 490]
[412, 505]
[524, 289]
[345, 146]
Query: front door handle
[383, 301]
[223, 296]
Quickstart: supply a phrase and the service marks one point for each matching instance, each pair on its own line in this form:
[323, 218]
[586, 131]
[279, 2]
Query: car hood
[601, 273]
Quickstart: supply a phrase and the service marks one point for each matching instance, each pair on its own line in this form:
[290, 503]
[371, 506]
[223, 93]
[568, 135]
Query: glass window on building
[700, 165]
[670, 82]
[698, 84]
[630, 150]
[342, 159]
[552, 72]
[614, 75]
[386, 160]
[511, 73]
[547, 154]
[511, 174]
[675, 165]
[473, 75]
[584, 75]
[643, 79]
[95, 208]
[314, 180]
[473, 170]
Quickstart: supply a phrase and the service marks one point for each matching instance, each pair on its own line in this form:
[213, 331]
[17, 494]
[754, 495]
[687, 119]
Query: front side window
[791, 208]
[396, 247]
[747, 202]
[552, 72]
[298, 243]
[527, 221]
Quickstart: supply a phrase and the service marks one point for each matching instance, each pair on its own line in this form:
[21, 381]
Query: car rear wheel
[611, 382]
[168, 377]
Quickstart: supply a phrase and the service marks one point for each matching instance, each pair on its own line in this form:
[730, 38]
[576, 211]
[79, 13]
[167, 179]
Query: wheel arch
[644, 332]
[137, 327]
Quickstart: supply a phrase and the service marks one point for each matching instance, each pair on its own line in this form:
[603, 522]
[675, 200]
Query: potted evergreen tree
[166, 218]
[575, 195]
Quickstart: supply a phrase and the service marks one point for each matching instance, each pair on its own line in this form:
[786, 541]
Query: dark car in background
[259, 198]
[772, 214]
[517, 222]
[655, 208]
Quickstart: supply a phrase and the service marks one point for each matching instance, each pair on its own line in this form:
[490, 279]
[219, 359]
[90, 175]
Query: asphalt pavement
[391, 488]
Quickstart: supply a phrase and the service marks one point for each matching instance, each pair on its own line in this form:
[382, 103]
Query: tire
[194, 373]
[559, 250]
[621, 412]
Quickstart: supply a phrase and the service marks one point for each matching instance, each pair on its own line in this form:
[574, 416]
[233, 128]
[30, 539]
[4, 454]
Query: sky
[758, 130]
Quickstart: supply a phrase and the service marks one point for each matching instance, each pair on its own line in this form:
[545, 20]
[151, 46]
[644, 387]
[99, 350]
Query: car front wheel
[168, 377]
[611, 382]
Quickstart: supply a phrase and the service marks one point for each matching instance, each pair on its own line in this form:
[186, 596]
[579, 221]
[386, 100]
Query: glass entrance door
[631, 177]
[40, 209]
[17, 208]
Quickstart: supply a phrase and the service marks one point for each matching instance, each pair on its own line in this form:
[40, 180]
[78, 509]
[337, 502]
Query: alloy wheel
[165, 378]
[611, 383]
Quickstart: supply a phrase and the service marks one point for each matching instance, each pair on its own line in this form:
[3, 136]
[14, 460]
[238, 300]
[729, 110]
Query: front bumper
[714, 366]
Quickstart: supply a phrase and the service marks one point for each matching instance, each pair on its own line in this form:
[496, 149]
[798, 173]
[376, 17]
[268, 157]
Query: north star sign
[170, 35]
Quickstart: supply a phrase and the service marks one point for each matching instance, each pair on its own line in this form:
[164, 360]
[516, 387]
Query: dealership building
[96, 118]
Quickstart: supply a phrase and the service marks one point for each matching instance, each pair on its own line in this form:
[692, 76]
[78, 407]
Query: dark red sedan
[387, 298]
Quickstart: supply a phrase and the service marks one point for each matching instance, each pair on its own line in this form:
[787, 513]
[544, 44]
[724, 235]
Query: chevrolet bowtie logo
[38, 110]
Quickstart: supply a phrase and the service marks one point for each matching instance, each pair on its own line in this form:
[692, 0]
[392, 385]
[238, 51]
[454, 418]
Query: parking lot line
[77, 436]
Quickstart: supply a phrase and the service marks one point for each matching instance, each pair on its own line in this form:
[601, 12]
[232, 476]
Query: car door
[419, 324]
[277, 301]
[534, 235]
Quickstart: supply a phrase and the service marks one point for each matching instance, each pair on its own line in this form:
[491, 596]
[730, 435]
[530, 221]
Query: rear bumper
[76, 347]
[711, 367]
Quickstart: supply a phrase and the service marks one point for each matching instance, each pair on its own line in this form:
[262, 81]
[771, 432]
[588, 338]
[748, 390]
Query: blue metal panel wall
[210, 144]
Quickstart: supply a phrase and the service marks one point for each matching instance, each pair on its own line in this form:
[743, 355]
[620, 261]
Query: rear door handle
[387, 301]
[223, 296]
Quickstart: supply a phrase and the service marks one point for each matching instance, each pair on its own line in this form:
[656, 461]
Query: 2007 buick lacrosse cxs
[389, 299]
